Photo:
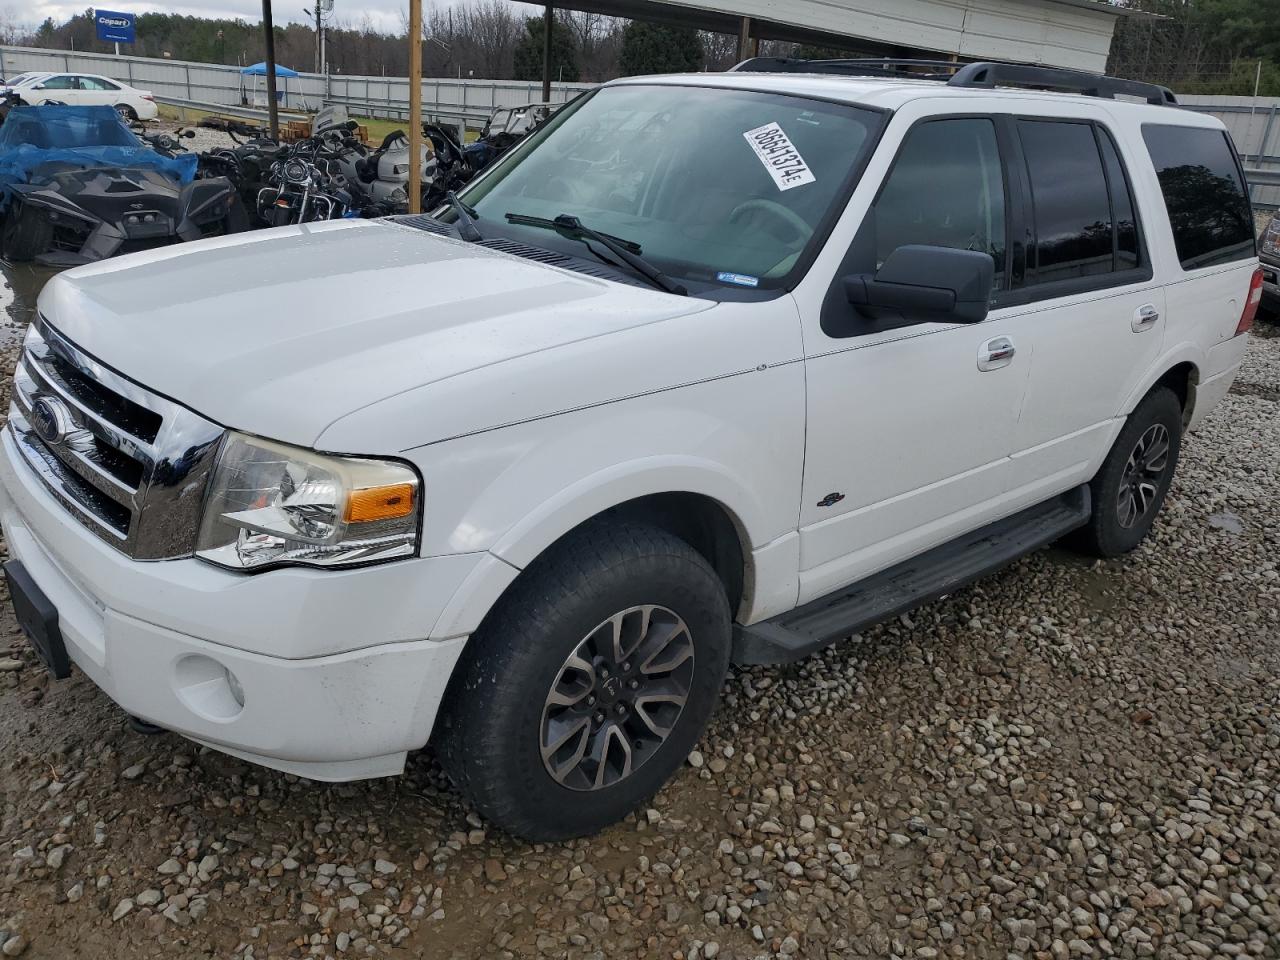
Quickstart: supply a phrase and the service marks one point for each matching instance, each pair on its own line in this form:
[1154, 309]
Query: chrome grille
[131, 465]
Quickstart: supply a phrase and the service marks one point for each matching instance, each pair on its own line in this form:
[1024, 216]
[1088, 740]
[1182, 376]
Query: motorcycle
[305, 190]
[379, 178]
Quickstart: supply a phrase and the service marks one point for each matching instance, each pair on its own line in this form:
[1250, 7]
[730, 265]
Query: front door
[911, 425]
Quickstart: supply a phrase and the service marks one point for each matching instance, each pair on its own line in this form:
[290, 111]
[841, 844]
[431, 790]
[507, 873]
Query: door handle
[996, 353]
[1144, 318]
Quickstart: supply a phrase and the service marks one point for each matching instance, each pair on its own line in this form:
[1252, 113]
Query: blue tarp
[259, 69]
[83, 136]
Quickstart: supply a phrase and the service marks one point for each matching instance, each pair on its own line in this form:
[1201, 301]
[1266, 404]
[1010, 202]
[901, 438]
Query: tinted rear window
[1204, 193]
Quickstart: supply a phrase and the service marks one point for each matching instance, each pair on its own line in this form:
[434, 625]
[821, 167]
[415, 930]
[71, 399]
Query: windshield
[62, 127]
[23, 79]
[728, 187]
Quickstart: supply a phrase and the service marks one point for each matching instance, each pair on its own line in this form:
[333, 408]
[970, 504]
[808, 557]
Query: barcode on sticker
[779, 156]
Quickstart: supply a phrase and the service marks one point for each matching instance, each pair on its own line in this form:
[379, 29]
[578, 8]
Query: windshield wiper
[466, 218]
[625, 250]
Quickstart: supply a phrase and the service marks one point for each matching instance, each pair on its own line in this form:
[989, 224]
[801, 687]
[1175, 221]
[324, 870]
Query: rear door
[1088, 306]
[95, 91]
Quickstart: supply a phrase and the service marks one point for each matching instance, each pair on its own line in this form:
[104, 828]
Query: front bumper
[337, 677]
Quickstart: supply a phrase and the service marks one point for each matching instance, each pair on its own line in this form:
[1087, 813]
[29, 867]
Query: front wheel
[587, 686]
[27, 233]
[1130, 489]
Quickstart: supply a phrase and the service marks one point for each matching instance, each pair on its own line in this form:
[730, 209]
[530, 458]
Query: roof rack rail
[989, 75]
[982, 76]
[853, 67]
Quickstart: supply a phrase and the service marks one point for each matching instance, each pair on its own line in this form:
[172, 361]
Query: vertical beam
[415, 106]
[270, 36]
[547, 22]
[744, 40]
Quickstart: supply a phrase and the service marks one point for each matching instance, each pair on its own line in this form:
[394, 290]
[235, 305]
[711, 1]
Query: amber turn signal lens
[380, 503]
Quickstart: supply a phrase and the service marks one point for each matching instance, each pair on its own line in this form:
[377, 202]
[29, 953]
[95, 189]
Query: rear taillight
[1251, 304]
[147, 96]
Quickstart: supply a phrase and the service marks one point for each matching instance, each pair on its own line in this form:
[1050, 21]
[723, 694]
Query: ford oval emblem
[50, 419]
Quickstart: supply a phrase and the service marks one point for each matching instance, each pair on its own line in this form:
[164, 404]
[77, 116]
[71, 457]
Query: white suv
[711, 368]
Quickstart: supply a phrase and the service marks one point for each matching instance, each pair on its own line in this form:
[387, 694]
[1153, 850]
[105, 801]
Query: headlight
[272, 504]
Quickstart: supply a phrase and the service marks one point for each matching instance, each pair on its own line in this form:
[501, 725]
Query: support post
[547, 22]
[270, 36]
[744, 39]
[415, 106]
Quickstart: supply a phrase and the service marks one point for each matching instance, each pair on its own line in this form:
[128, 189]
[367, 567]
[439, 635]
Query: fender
[630, 480]
[588, 498]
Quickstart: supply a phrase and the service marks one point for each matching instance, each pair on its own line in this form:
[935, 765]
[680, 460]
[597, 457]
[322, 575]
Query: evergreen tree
[528, 52]
[657, 48]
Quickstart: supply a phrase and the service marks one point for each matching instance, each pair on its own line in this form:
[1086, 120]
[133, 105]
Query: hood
[282, 332]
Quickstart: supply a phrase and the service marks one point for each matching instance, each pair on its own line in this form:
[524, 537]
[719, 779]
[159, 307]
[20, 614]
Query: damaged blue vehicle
[77, 185]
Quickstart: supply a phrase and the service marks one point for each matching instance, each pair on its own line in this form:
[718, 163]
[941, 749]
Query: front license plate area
[38, 619]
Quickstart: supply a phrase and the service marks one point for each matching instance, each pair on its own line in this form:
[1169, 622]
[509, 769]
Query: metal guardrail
[1263, 178]
[235, 110]
[476, 117]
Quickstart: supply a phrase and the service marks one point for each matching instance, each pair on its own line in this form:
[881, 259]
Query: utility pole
[319, 28]
[270, 36]
[547, 24]
[415, 106]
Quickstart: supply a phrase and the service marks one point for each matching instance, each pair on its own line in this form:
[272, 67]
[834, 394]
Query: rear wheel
[1130, 489]
[27, 233]
[127, 113]
[589, 683]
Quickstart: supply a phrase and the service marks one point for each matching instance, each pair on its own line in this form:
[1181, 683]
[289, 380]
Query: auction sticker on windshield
[779, 156]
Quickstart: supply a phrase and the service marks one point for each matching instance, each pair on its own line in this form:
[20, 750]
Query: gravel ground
[1070, 759]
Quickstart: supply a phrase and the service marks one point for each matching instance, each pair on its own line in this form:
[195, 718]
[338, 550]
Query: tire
[27, 233]
[515, 692]
[1120, 522]
[236, 220]
[127, 113]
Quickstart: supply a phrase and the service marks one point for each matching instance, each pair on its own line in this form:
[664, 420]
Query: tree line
[1209, 46]
[489, 39]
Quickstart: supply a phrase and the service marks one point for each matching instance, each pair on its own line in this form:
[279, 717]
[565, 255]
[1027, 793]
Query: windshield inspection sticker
[741, 279]
[779, 156]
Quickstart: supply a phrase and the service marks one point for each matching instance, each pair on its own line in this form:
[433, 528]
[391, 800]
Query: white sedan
[84, 89]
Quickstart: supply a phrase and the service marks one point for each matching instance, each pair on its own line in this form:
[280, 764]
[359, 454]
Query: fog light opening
[207, 688]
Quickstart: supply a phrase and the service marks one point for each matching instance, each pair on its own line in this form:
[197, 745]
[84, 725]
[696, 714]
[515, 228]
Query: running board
[940, 571]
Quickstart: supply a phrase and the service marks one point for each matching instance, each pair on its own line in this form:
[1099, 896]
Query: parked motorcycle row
[332, 174]
[73, 200]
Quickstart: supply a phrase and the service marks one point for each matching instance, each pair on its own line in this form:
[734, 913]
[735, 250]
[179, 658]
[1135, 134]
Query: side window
[1071, 211]
[93, 83]
[59, 83]
[946, 189]
[1203, 191]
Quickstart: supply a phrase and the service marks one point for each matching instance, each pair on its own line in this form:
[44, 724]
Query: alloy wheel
[616, 698]
[1144, 472]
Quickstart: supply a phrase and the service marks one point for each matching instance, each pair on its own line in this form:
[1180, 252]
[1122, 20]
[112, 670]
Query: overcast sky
[384, 13]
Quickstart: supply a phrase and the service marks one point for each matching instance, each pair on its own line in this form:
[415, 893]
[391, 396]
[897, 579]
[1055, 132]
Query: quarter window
[946, 189]
[1204, 193]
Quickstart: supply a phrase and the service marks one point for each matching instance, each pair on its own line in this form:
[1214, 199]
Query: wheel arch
[705, 522]
[1179, 370]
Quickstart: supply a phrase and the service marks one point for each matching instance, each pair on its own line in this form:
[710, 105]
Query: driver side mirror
[926, 284]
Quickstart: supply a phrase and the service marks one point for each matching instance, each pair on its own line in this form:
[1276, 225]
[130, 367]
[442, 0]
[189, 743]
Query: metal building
[1065, 33]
